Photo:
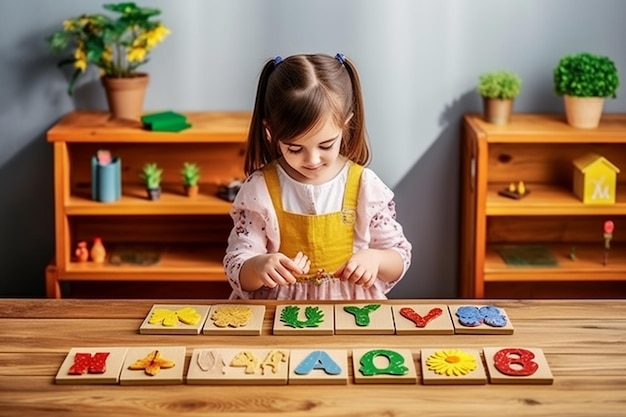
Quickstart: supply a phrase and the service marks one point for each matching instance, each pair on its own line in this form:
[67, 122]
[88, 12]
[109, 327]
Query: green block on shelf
[160, 117]
[172, 127]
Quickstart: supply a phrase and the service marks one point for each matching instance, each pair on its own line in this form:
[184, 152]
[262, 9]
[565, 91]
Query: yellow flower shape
[81, 59]
[451, 362]
[136, 55]
[152, 363]
[170, 318]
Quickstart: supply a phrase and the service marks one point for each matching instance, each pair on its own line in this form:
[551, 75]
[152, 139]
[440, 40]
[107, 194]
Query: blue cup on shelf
[106, 180]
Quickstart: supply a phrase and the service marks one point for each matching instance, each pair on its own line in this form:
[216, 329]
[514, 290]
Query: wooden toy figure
[82, 254]
[608, 235]
[98, 252]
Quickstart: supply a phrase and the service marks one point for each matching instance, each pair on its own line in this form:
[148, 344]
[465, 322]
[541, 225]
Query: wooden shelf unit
[188, 234]
[539, 149]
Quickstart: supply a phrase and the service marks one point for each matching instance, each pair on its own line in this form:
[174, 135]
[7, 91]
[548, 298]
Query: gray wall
[419, 62]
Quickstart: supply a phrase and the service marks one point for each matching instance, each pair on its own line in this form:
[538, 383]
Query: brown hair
[293, 94]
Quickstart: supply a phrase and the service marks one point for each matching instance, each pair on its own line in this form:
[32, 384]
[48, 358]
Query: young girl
[310, 222]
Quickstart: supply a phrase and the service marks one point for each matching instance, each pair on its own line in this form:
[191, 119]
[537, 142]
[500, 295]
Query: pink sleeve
[377, 225]
[254, 232]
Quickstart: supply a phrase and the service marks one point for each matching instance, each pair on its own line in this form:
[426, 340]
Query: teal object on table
[167, 121]
[106, 180]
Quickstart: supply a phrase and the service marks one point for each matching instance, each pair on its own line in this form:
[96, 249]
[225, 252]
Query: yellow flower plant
[115, 45]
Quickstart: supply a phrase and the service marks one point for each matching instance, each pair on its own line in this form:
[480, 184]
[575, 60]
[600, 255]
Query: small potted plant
[498, 90]
[151, 175]
[117, 45]
[585, 80]
[191, 176]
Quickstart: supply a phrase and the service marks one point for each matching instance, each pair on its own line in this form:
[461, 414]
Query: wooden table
[584, 342]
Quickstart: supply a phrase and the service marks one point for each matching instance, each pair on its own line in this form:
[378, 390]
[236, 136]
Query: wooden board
[325, 327]
[180, 327]
[169, 376]
[543, 374]
[441, 324]
[318, 366]
[251, 328]
[111, 375]
[225, 372]
[474, 377]
[382, 363]
[380, 320]
[482, 328]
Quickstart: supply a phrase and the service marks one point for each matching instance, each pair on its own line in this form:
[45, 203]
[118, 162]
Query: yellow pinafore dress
[327, 239]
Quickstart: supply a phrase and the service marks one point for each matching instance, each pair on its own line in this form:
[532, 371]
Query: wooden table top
[584, 342]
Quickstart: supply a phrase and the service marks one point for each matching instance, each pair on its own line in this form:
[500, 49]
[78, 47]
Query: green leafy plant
[190, 174]
[116, 45]
[586, 75]
[502, 85]
[151, 175]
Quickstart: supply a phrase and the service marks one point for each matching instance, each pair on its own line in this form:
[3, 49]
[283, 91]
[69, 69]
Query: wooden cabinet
[176, 238]
[562, 237]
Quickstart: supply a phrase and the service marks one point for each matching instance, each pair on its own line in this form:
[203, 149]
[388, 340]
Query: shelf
[179, 263]
[587, 266]
[546, 200]
[94, 126]
[550, 128]
[134, 201]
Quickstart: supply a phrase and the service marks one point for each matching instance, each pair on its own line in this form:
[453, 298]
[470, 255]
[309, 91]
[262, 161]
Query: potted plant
[498, 90]
[117, 46]
[151, 175]
[585, 80]
[191, 176]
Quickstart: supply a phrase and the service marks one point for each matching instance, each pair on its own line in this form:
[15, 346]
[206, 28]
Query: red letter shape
[96, 364]
[502, 360]
[420, 321]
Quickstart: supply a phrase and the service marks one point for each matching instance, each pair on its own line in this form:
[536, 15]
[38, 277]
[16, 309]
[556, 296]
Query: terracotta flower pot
[191, 190]
[126, 95]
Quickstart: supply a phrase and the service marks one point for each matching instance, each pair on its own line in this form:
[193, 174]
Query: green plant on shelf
[190, 174]
[586, 75]
[151, 175]
[501, 85]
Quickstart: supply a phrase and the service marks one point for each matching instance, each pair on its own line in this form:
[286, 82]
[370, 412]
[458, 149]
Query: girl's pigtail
[258, 151]
[358, 148]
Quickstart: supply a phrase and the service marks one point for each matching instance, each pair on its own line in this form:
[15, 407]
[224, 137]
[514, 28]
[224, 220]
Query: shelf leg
[53, 287]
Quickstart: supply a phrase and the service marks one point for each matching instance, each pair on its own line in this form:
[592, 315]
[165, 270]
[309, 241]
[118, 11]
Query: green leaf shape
[314, 316]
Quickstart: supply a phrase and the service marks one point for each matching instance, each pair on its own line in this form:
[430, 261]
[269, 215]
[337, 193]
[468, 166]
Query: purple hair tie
[277, 60]
[341, 58]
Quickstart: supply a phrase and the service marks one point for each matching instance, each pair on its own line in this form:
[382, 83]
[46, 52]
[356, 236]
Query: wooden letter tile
[175, 319]
[304, 319]
[244, 366]
[235, 319]
[383, 366]
[481, 317]
[452, 366]
[364, 318]
[167, 366]
[318, 366]
[88, 366]
[422, 319]
[517, 366]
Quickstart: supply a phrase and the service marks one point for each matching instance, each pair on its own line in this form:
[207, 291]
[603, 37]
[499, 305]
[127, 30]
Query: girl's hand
[275, 269]
[361, 268]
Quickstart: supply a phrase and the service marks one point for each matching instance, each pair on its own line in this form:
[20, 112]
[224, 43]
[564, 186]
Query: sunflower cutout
[451, 362]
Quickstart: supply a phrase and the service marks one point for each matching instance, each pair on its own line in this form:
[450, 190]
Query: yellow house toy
[594, 179]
